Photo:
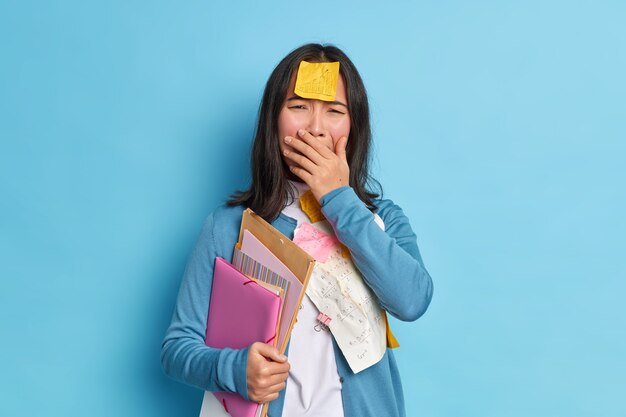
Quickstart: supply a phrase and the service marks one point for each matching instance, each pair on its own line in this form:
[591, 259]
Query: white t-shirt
[313, 385]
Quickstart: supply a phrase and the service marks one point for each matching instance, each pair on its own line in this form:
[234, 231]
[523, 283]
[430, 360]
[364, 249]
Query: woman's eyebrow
[339, 103]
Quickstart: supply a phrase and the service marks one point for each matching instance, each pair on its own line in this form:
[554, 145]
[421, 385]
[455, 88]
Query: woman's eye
[297, 106]
[336, 111]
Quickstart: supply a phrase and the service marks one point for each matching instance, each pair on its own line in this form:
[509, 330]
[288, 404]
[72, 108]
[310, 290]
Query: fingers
[261, 377]
[275, 380]
[266, 398]
[340, 148]
[267, 372]
[274, 390]
[266, 395]
[314, 143]
[309, 153]
[269, 386]
[303, 174]
[264, 389]
[323, 169]
[300, 160]
[268, 351]
[301, 147]
[309, 146]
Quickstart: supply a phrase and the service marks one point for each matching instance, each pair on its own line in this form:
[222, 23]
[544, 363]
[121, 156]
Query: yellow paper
[345, 252]
[317, 80]
[392, 342]
[311, 207]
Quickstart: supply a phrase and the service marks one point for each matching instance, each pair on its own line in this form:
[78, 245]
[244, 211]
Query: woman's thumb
[271, 353]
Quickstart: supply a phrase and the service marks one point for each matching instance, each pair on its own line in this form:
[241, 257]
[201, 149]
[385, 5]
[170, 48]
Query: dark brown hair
[269, 192]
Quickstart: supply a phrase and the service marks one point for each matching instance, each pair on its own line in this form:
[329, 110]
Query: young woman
[323, 146]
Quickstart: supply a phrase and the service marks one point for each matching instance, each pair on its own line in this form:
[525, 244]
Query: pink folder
[241, 312]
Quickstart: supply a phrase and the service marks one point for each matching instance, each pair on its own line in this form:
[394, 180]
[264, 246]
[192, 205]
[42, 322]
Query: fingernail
[287, 139]
[285, 152]
[283, 357]
[301, 132]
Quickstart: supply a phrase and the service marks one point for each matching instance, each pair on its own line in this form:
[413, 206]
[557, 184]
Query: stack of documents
[254, 299]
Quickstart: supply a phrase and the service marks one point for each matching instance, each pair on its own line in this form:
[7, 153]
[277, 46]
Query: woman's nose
[316, 125]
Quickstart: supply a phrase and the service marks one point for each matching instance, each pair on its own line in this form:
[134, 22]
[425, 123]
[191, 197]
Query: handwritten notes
[337, 289]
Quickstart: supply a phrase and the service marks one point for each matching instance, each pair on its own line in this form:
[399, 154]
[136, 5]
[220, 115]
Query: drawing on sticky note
[317, 80]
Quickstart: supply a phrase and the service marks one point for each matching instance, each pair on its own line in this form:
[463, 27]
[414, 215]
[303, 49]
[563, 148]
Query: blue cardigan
[389, 261]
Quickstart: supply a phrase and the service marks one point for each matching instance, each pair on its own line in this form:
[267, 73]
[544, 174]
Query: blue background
[499, 128]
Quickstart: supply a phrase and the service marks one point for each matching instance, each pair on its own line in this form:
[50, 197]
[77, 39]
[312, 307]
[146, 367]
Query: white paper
[337, 289]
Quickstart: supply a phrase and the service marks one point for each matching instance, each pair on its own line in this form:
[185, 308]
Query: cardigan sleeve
[184, 356]
[389, 260]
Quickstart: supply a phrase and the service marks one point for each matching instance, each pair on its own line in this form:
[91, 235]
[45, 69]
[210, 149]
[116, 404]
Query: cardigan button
[341, 380]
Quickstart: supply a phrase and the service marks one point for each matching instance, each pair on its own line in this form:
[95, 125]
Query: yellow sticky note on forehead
[317, 80]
